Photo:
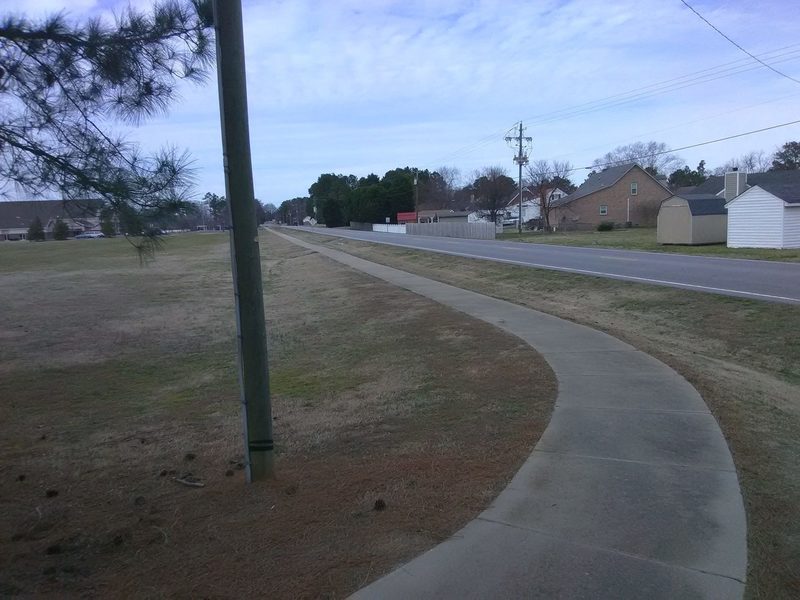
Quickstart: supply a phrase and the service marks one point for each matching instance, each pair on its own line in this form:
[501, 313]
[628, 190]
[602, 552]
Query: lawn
[644, 238]
[742, 355]
[117, 380]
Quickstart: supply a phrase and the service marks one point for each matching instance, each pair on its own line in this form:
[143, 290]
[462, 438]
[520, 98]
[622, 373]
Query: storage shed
[692, 219]
[765, 216]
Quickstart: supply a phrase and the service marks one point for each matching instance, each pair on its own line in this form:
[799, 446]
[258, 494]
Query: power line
[670, 85]
[773, 69]
[783, 54]
[722, 139]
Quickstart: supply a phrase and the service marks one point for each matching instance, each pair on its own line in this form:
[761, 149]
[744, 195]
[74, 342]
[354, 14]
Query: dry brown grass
[743, 356]
[120, 380]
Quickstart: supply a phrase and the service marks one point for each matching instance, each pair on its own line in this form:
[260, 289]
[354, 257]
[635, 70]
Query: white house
[766, 215]
[531, 204]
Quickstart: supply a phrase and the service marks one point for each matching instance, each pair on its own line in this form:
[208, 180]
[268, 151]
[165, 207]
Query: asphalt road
[754, 279]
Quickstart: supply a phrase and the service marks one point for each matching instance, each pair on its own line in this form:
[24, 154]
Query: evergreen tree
[61, 83]
[60, 230]
[36, 230]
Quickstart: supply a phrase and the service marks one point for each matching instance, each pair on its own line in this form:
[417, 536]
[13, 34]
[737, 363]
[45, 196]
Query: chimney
[735, 183]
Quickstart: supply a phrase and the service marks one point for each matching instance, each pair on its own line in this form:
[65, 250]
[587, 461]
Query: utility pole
[416, 195]
[521, 159]
[245, 253]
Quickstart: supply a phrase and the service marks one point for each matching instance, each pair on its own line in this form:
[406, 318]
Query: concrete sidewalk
[630, 493]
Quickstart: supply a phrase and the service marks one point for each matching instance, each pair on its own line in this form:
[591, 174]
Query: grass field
[644, 238]
[116, 380]
[742, 355]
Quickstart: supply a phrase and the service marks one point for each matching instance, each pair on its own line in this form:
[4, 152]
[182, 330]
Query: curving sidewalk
[630, 493]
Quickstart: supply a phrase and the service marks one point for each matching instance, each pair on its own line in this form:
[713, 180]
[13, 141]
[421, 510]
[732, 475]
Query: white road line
[678, 284]
[625, 277]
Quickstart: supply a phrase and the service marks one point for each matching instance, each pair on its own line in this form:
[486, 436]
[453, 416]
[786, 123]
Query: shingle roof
[595, 183]
[788, 192]
[781, 179]
[705, 204]
[21, 213]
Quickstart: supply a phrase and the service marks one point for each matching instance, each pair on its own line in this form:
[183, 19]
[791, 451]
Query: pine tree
[36, 230]
[60, 230]
[61, 83]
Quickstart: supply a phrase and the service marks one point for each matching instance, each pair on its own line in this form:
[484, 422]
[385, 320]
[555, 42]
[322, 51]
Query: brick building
[623, 194]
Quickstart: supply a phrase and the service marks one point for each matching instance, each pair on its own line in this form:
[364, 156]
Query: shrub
[605, 226]
[60, 230]
[36, 230]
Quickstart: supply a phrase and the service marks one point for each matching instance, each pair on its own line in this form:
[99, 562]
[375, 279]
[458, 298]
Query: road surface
[753, 279]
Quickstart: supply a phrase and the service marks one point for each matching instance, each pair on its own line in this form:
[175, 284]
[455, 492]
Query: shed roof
[705, 204]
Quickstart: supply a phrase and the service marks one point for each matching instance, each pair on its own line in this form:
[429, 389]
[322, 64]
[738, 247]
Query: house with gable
[531, 204]
[622, 194]
[766, 214]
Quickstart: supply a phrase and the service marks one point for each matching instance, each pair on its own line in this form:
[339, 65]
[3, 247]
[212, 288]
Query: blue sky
[361, 86]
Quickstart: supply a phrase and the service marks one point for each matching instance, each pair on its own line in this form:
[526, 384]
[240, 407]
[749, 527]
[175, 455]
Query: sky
[365, 86]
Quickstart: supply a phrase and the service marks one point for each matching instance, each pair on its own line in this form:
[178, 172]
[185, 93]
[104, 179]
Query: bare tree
[451, 178]
[755, 161]
[493, 189]
[654, 157]
[544, 177]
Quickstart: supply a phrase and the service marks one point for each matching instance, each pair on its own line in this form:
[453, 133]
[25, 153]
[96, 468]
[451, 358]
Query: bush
[60, 230]
[605, 226]
[36, 230]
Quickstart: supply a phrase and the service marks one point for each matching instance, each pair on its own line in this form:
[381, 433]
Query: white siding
[755, 220]
[791, 227]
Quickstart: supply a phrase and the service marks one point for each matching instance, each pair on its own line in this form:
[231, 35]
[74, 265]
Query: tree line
[337, 199]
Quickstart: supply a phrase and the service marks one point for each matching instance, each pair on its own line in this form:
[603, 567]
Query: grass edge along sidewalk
[743, 357]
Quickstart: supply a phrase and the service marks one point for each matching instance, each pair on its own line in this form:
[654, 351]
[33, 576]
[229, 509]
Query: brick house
[622, 194]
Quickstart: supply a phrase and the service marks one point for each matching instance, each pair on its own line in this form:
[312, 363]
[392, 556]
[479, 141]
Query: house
[16, 217]
[766, 215]
[531, 204]
[692, 219]
[626, 194]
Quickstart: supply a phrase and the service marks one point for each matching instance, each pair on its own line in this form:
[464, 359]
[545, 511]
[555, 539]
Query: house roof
[705, 204]
[595, 183]
[716, 183]
[788, 192]
[21, 213]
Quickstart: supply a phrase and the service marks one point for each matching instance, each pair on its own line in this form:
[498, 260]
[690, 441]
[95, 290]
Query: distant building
[16, 216]
[623, 194]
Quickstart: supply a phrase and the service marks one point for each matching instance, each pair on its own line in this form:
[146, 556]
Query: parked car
[89, 235]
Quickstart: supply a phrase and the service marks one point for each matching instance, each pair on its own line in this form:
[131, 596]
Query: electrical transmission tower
[522, 145]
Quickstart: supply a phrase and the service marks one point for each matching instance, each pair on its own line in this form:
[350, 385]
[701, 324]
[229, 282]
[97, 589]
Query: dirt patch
[397, 421]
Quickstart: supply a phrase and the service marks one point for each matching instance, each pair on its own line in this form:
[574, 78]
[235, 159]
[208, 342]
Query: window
[604, 209]
[634, 188]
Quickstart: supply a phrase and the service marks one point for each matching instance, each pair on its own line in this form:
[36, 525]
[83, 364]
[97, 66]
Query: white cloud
[359, 86]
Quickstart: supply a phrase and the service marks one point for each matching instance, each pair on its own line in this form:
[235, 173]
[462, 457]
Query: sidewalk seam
[605, 549]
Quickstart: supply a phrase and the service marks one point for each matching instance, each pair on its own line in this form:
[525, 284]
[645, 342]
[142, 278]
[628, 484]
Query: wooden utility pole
[521, 159]
[245, 253]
